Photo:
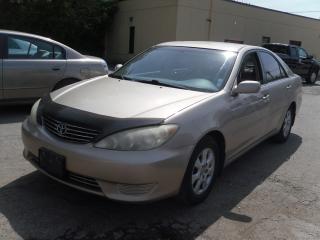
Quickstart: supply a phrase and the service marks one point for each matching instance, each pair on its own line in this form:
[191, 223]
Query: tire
[64, 82]
[285, 131]
[313, 76]
[200, 174]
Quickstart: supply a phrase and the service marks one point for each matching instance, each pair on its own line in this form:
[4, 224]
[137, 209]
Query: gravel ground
[272, 192]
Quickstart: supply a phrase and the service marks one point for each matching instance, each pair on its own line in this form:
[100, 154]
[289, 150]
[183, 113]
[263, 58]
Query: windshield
[189, 68]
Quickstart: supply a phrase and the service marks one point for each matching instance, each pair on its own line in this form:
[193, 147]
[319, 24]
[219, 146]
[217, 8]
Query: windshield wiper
[158, 83]
[153, 82]
[122, 77]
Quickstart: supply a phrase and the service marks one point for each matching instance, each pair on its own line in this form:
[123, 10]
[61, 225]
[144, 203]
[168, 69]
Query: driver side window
[250, 69]
[302, 53]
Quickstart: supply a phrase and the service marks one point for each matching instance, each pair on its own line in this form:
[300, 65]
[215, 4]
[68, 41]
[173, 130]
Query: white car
[31, 66]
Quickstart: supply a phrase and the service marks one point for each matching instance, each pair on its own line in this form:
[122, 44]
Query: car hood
[126, 99]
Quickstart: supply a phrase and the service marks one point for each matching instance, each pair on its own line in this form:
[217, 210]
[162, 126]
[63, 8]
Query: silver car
[32, 65]
[164, 124]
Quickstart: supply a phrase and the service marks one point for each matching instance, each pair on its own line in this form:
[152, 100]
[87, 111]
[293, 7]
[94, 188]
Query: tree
[81, 24]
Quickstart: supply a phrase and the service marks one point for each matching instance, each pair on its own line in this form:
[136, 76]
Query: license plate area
[53, 163]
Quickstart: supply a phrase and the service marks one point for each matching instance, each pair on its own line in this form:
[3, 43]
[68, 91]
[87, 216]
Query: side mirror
[117, 67]
[247, 87]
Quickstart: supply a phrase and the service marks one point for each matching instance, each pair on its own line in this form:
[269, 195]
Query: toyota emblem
[61, 128]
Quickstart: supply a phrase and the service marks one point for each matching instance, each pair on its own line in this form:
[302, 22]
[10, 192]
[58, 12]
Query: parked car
[32, 65]
[298, 60]
[165, 123]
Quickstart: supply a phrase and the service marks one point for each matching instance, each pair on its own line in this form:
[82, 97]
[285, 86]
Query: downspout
[177, 19]
[209, 19]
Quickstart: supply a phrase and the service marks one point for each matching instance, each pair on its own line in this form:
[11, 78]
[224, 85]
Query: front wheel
[201, 172]
[285, 130]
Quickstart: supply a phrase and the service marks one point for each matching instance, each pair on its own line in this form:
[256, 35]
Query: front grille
[69, 132]
[83, 181]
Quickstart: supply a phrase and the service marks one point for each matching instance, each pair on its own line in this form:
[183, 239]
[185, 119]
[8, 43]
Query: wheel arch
[316, 66]
[293, 106]
[219, 137]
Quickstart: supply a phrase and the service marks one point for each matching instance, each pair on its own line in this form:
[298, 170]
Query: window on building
[132, 31]
[266, 39]
[294, 42]
[272, 69]
[233, 41]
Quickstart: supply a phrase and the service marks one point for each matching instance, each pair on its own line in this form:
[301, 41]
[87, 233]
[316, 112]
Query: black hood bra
[105, 125]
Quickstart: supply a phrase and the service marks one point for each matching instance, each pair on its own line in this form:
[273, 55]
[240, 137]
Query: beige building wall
[205, 20]
[248, 23]
[193, 20]
[154, 22]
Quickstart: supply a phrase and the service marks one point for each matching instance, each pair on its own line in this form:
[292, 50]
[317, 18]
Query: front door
[305, 63]
[248, 112]
[293, 61]
[31, 67]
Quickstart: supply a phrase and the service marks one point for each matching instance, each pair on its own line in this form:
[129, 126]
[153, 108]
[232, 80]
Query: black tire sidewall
[186, 191]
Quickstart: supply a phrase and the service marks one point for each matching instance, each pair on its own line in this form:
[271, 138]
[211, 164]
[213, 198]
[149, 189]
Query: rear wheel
[285, 130]
[313, 76]
[201, 172]
[64, 82]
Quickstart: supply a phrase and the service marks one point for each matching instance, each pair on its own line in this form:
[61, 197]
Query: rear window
[277, 48]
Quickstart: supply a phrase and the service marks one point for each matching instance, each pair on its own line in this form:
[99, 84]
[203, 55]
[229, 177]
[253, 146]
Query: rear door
[276, 85]
[31, 67]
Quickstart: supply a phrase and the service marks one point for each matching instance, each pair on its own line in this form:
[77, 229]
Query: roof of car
[25, 34]
[233, 47]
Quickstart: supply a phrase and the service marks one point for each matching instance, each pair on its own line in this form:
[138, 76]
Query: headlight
[34, 110]
[138, 139]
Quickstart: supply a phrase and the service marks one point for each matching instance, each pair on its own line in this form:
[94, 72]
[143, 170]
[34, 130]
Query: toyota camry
[164, 124]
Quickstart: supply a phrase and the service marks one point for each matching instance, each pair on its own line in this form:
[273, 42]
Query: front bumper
[134, 176]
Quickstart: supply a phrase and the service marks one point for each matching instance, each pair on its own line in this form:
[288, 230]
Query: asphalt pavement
[272, 192]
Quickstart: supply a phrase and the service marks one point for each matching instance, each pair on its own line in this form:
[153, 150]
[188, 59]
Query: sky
[309, 8]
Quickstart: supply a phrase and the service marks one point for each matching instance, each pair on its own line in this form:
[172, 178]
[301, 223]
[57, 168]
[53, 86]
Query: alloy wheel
[203, 170]
[287, 123]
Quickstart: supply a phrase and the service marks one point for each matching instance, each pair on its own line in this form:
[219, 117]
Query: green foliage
[81, 24]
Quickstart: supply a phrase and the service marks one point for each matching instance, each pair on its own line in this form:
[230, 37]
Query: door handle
[266, 98]
[56, 69]
[289, 86]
